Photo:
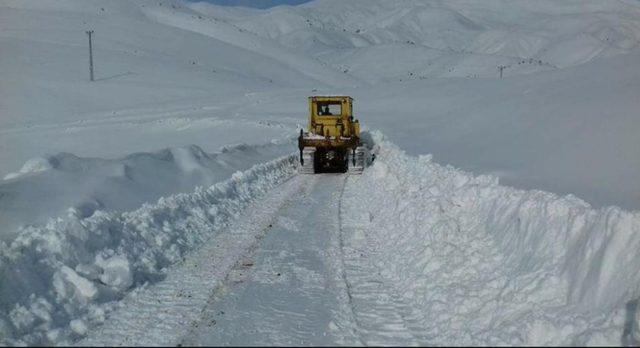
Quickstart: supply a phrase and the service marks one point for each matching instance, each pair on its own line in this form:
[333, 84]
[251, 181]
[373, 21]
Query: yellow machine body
[333, 135]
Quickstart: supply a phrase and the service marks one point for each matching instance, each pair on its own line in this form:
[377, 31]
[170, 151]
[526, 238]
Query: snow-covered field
[113, 189]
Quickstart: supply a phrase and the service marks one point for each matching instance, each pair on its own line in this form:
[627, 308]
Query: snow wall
[490, 264]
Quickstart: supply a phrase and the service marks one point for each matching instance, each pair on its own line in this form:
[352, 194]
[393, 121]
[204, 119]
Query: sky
[255, 3]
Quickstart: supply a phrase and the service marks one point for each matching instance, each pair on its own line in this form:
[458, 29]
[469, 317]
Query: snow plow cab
[332, 142]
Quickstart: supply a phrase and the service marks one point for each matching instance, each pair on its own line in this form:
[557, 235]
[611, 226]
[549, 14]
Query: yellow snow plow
[332, 142]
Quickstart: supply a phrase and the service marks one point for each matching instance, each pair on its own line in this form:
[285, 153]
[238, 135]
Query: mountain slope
[524, 37]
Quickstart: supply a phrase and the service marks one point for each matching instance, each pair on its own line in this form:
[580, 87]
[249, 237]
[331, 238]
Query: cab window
[329, 109]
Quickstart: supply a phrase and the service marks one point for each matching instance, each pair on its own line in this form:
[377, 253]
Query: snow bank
[59, 279]
[489, 264]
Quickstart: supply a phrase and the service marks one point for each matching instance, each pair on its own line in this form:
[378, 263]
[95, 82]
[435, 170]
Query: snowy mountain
[425, 39]
[172, 173]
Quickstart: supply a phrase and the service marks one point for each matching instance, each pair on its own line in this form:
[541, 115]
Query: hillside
[425, 39]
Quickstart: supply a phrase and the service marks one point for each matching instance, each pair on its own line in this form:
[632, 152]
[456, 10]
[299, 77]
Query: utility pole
[501, 67]
[89, 32]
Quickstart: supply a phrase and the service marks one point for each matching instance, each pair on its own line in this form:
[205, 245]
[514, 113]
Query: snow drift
[489, 264]
[60, 279]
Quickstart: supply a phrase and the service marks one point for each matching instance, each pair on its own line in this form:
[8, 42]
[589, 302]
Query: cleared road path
[293, 271]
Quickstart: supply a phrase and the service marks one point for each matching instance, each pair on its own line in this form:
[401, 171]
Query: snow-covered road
[291, 290]
[293, 271]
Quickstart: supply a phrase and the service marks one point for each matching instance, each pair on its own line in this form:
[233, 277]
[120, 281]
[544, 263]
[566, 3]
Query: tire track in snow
[249, 308]
[343, 268]
[293, 293]
[383, 317]
[238, 273]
